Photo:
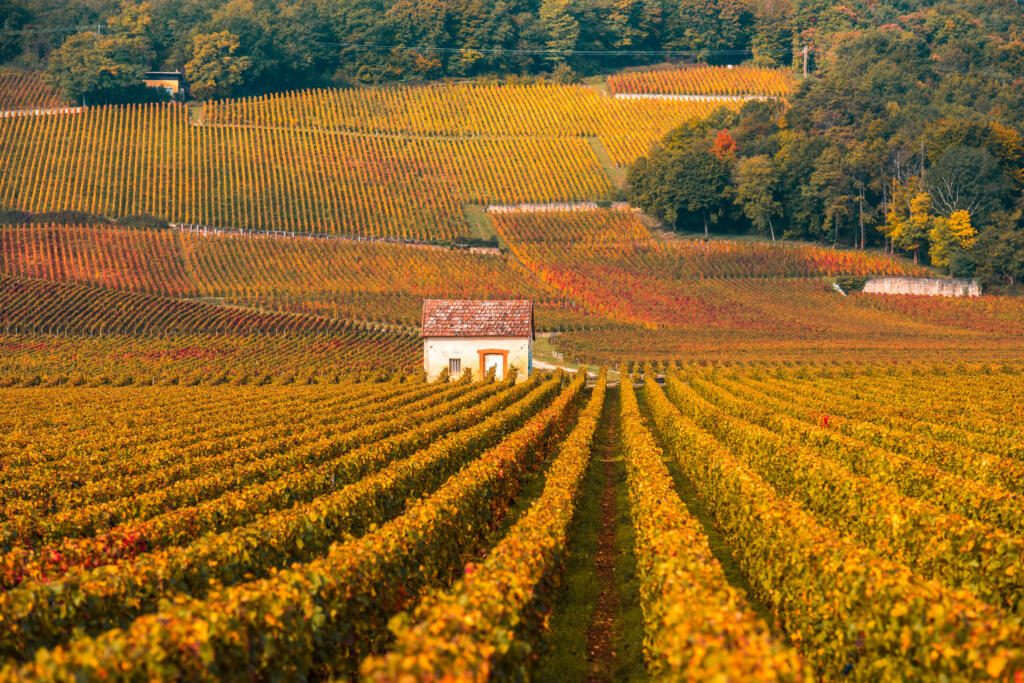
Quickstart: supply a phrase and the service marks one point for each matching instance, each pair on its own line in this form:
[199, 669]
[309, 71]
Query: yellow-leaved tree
[908, 219]
[950, 235]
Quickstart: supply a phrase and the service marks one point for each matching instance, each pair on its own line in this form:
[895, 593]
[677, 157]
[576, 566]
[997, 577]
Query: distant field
[705, 80]
[752, 300]
[625, 128]
[369, 281]
[206, 359]
[615, 291]
[21, 90]
[56, 333]
[391, 162]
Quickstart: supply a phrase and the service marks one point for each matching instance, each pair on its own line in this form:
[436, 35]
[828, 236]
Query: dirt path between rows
[601, 632]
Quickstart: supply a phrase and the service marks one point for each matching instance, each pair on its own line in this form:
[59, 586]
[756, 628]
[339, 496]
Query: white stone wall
[692, 98]
[438, 350]
[922, 286]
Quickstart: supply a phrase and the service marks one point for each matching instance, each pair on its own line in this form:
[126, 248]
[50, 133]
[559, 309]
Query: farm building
[171, 81]
[477, 335]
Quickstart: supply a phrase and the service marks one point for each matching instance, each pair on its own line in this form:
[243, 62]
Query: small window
[454, 366]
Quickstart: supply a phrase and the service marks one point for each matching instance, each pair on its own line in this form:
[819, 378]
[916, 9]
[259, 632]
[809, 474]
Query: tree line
[909, 136]
[100, 48]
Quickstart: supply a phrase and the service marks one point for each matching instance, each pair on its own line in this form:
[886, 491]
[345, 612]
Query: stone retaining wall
[922, 286]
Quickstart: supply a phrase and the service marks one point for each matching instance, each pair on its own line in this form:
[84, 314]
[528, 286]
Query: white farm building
[477, 335]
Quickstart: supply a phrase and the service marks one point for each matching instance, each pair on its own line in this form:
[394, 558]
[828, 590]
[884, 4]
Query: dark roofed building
[171, 81]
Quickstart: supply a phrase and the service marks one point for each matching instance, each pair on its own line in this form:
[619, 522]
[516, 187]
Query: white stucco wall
[922, 286]
[438, 350]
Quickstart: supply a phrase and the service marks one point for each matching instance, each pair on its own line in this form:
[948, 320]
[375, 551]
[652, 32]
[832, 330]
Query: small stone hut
[460, 334]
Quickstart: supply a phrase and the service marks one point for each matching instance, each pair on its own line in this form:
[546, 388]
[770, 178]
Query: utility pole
[805, 52]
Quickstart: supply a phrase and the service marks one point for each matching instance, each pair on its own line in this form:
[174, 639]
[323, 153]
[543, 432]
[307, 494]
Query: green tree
[633, 23]
[832, 186]
[864, 161]
[91, 67]
[134, 20]
[754, 181]
[772, 40]
[561, 28]
[215, 69]
[709, 25]
[13, 16]
[967, 178]
[999, 253]
[681, 181]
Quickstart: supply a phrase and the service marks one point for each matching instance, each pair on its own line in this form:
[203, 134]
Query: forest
[906, 133]
[256, 46]
[908, 136]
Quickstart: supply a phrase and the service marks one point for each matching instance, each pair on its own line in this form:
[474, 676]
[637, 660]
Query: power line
[984, 71]
[434, 48]
[61, 29]
[535, 51]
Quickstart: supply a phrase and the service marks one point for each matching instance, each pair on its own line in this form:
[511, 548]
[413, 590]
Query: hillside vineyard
[737, 81]
[756, 300]
[596, 276]
[324, 162]
[20, 90]
[338, 278]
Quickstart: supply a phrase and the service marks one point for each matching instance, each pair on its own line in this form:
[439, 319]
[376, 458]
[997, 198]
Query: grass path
[616, 174]
[597, 628]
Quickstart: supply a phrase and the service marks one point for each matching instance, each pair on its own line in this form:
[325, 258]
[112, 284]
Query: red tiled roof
[464, 318]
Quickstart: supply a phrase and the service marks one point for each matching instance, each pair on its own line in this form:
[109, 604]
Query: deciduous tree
[561, 27]
[950, 237]
[215, 68]
[754, 183]
[88, 66]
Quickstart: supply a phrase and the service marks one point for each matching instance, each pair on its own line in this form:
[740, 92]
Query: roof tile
[468, 318]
